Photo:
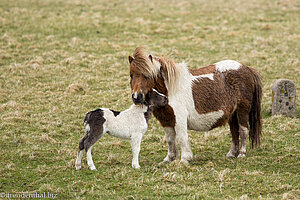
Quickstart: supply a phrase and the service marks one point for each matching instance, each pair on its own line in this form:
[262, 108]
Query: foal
[130, 124]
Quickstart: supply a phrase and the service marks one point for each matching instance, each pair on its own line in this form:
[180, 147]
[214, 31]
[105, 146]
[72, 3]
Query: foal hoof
[77, 167]
[93, 168]
[136, 166]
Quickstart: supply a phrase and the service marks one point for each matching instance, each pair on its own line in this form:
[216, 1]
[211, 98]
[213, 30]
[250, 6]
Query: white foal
[130, 124]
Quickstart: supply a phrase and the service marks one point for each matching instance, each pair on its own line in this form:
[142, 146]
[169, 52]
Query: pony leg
[243, 131]
[234, 129]
[173, 152]
[243, 134]
[183, 141]
[136, 147]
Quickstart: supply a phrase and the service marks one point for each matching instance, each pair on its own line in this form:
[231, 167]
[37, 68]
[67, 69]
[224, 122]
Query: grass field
[60, 59]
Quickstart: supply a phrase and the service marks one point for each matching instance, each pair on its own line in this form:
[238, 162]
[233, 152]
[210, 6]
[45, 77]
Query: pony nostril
[140, 97]
[137, 98]
[134, 95]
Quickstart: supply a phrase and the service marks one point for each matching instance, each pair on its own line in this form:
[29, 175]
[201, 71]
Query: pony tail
[255, 121]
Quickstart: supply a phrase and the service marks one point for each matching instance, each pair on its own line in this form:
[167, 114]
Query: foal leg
[88, 144]
[79, 154]
[234, 129]
[243, 131]
[135, 142]
[173, 152]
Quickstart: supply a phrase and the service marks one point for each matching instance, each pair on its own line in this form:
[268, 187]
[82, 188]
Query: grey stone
[284, 99]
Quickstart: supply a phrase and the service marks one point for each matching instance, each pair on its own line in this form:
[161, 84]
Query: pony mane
[142, 62]
[170, 70]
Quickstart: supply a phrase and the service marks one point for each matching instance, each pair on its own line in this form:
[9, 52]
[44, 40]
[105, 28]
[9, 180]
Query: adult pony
[200, 99]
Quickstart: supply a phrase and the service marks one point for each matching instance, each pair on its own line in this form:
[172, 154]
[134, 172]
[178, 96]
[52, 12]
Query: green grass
[60, 59]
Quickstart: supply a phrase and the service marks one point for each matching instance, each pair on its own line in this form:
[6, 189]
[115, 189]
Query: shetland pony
[130, 124]
[200, 99]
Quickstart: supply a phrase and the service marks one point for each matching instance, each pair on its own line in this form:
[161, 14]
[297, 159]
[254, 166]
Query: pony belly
[203, 122]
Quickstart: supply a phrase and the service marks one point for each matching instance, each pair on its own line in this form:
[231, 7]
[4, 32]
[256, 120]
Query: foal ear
[150, 57]
[130, 59]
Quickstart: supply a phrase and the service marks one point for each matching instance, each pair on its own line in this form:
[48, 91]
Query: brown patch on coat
[95, 119]
[154, 100]
[165, 115]
[225, 93]
[203, 70]
[160, 86]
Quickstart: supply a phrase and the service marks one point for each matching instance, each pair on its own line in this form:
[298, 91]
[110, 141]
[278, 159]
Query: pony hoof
[230, 155]
[186, 162]
[93, 168]
[241, 155]
[78, 167]
[164, 162]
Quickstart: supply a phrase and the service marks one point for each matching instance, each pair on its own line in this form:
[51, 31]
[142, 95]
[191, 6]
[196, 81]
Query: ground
[61, 59]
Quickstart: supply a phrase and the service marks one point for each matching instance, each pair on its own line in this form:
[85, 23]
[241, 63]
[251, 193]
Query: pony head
[144, 70]
[148, 72]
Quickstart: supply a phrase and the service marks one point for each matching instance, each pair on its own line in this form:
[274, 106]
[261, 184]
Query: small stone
[284, 99]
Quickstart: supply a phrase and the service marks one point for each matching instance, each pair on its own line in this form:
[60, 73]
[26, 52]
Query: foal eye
[146, 77]
[130, 75]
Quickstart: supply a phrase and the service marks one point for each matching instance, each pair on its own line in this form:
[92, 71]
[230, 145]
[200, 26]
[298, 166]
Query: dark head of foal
[155, 99]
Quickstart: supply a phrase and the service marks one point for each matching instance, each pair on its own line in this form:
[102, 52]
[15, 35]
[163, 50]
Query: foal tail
[255, 112]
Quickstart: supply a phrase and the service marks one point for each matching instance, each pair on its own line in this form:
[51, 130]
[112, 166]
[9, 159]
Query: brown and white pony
[200, 99]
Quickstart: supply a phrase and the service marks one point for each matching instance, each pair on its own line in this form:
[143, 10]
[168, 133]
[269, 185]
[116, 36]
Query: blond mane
[142, 62]
[171, 70]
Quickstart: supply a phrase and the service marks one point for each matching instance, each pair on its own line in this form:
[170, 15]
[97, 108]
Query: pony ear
[130, 59]
[150, 57]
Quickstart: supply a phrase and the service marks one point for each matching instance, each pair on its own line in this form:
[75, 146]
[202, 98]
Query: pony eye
[146, 77]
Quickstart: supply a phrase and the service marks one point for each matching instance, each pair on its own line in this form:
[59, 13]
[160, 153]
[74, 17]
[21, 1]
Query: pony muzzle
[138, 98]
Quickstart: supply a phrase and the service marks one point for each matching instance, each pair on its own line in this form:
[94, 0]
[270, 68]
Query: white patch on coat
[158, 92]
[225, 65]
[182, 101]
[204, 122]
[129, 125]
[87, 127]
[210, 76]
[126, 123]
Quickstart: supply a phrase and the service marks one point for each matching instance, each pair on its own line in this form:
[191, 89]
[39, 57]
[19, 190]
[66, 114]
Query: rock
[284, 99]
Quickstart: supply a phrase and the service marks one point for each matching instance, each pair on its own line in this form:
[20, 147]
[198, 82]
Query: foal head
[144, 70]
[155, 99]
